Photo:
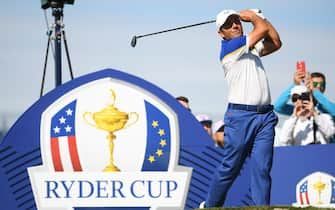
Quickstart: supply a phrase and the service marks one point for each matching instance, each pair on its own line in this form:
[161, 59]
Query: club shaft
[173, 29]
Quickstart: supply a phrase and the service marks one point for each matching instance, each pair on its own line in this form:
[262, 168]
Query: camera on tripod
[45, 4]
[56, 34]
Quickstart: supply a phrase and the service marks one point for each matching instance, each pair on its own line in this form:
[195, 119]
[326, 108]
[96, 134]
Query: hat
[222, 17]
[217, 126]
[298, 89]
[202, 118]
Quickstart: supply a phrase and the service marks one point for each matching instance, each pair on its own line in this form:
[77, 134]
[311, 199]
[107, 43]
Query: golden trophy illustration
[110, 119]
[319, 186]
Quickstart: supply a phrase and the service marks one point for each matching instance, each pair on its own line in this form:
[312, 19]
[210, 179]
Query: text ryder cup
[109, 189]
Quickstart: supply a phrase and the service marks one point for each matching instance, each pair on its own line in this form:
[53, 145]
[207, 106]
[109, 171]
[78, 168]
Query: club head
[133, 41]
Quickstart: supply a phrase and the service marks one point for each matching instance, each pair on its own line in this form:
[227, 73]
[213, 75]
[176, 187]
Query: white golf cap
[298, 89]
[203, 118]
[222, 17]
[217, 126]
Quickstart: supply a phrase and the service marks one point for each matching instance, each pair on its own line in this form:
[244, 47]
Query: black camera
[305, 96]
[45, 4]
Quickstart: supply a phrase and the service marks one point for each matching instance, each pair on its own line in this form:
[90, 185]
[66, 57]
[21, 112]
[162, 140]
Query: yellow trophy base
[111, 168]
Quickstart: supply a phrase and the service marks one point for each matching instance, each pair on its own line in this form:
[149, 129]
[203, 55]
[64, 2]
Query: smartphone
[301, 66]
[305, 96]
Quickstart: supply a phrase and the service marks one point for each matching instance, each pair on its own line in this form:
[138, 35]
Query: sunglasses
[322, 84]
[230, 20]
[303, 97]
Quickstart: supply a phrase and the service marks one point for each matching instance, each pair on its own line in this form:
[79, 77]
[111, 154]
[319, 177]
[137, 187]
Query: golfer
[249, 120]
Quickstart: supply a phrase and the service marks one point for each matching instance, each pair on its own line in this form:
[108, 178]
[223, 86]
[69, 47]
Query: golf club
[135, 38]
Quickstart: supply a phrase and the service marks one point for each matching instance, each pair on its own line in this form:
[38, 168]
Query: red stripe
[74, 153]
[55, 153]
[307, 200]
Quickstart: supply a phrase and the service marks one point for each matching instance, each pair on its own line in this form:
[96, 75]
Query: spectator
[2, 134]
[184, 101]
[316, 82]
[3, 129]
[206, 122]
[218, 133]
[306, 125]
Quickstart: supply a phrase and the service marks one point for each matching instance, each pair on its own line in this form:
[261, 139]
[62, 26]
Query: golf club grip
[173, 29]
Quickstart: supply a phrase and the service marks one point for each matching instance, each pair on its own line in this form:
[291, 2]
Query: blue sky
[182, 62]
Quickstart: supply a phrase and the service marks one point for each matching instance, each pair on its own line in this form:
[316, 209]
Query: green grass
[270, 208]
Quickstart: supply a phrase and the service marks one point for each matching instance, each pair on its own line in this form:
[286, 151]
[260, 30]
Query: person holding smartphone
[315, 82]
[306, 125]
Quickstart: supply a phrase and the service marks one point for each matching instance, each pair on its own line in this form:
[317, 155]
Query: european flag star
[162, 142]
[151, 158]
[161, 132]
[159, 152]
[154, 124]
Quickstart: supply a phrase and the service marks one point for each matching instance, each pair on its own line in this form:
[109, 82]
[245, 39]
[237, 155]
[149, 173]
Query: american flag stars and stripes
[304, 200]
[63, 141]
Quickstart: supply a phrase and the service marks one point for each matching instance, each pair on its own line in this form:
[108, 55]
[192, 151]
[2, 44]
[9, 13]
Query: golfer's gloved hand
[258, 12]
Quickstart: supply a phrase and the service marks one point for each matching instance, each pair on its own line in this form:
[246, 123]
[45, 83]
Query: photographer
[316, 83]
[306, 125]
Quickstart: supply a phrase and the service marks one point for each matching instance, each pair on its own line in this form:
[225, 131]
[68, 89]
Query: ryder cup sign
[316, 189]
[107, 139]
[101, 149]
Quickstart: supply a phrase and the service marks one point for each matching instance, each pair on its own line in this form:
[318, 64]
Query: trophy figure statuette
[319, 186]
[110, 119]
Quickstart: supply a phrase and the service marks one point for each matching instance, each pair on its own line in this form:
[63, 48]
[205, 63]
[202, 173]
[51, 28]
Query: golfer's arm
[260, 30]
[271, 41]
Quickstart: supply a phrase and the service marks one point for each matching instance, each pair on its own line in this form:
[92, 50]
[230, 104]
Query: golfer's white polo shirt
[244, 72]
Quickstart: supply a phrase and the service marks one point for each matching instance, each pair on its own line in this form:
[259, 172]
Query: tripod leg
[45, 66]
[67, 54]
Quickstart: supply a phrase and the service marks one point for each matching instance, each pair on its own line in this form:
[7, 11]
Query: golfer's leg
[234, 154]
[261, 161]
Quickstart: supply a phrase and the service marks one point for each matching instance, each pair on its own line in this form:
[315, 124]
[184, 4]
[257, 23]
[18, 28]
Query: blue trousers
[246, 133]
